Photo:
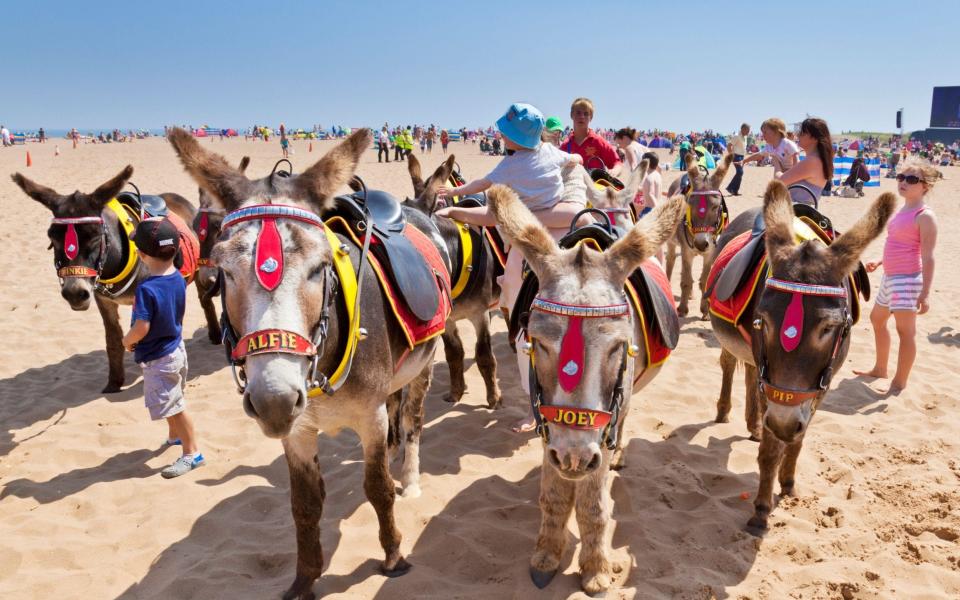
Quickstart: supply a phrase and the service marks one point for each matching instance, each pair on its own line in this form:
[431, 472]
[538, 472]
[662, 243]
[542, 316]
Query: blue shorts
[163, 382]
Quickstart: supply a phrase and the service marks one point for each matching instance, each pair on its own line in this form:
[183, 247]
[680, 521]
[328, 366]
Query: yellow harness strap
[348, 283]
[127, 223]
[466, 244]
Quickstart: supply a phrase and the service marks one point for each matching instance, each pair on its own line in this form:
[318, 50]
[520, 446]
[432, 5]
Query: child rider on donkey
[533, 170]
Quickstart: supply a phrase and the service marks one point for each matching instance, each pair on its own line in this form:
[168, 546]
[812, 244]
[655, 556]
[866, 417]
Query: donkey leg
[412, 419]
[395, 424]
[110, 313]
[671, 256]
[556, 502]
[307, 494]
[686, 280]
[788, 468]
[593, 515]
[453, 351]
[486, 361]
[728, 364]
[378, 486]
[210, 312]
[704, 275]
[768, 459]
[753, 408]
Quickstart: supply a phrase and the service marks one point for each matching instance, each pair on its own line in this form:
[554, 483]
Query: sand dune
[85, 514]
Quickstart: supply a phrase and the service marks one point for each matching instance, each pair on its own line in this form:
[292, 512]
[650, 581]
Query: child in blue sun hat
[534, 171]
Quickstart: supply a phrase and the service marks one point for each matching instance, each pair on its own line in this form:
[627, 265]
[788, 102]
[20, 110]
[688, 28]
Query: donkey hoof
[112, 388]
[757, 525]
[682, 310]
[411, 491]
[451, 399]
[541, 579]
[401, 568]
[787, 489]
[722, 418]
[494, 403]
[596, 586]
[300, 589]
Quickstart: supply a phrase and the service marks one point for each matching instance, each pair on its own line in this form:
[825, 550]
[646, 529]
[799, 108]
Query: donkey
[615, 204]
[206, 225]
[582, 332]
[306, 311]
[790, 359]
[91, 250]
[480, 294]
[697, 233]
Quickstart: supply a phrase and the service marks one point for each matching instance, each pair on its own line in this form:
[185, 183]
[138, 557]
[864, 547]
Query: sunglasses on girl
[911, 179]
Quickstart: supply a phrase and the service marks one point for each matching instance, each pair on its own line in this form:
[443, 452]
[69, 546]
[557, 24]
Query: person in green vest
[407, 138]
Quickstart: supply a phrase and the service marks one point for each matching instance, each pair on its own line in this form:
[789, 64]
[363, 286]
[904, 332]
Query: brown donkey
[706, 217]
[583, 344]
[801, 322]
[206, 225]
[93, 256]
[286, 294]
[479, 293]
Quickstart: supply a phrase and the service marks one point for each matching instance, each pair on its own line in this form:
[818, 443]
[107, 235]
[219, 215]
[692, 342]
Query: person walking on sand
[383, 145]
[156, 338]
[908, 266]
[738, 145]
[444, 140]
[285, 145]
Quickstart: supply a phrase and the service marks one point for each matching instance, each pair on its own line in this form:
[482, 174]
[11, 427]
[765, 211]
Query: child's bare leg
[881, 337]
[907, 331]
[182, 426]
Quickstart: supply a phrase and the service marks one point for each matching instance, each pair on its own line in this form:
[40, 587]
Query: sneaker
[182, 466]
[173, 442]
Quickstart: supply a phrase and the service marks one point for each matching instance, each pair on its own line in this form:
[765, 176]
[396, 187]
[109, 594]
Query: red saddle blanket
[732, 308]
[189, 247]
[657, 349]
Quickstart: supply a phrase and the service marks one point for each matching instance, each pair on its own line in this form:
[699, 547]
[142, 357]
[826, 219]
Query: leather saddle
[151, 206]
[743, 264]
[406, 268]
[491, 233]
[656, 304]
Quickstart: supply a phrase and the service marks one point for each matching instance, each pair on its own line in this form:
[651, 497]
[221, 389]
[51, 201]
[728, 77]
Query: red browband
[277, 341]
[76, 271]
[574, 417]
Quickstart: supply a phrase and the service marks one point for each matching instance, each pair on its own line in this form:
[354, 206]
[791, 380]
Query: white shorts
[900, 292]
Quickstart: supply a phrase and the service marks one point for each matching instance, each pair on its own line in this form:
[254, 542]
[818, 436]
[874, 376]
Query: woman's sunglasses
[911, 179]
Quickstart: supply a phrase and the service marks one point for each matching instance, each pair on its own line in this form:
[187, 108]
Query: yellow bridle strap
[466, 249]
[128, 225]
[348, 284]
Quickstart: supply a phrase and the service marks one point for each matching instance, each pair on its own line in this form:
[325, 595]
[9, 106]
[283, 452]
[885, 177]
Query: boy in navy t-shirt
[155, 338]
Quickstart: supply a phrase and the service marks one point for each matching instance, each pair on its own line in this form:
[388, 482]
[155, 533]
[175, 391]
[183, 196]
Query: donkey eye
[316, 272]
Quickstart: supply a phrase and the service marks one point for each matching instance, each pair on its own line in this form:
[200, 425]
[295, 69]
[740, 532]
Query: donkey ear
[717, 177]
[244, 163]
[845, 251]
[778, 214]
[212, 172]
[416, 176]
[625, 196]
[644, 239]
[109, 190]
[42, 194]
[320, 182]
[523, 230]
[693, 166]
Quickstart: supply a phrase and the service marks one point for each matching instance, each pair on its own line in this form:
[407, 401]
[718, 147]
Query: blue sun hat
[522, 124]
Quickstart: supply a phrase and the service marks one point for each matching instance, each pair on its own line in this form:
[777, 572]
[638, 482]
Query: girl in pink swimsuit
[907, 274]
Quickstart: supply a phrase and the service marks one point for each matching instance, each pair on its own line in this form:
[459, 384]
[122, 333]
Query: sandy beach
[84, 512]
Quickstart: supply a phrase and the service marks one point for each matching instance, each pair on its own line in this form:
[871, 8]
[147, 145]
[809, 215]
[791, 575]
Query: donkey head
[615, 204]
[207, 227]
[78, 233]
[704, 216]
[802, 319]
[276, 270]
[425, 192]
[580, 361]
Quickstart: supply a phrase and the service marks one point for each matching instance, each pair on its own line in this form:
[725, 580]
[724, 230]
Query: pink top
[901, 252]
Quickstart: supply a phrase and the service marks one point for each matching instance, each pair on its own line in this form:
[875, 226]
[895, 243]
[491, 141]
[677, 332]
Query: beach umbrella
[659, 142]
[854, 145]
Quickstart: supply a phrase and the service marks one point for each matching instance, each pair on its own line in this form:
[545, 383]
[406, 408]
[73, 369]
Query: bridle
[716, 228]
[570, 372]
[203, 232]
[268, 265]
[791, 331]
[71, 248]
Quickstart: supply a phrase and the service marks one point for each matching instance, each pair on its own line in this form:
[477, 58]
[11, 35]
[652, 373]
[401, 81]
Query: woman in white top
[633, 150]
[783, 153]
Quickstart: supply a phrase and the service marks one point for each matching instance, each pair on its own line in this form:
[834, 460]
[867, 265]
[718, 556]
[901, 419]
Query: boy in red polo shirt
[583, 141]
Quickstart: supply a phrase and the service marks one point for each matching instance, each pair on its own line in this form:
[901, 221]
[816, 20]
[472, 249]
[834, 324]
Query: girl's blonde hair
[928, 173]
[775, 124]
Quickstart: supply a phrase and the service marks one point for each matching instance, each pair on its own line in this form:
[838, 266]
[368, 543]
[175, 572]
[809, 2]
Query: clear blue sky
[682, 65]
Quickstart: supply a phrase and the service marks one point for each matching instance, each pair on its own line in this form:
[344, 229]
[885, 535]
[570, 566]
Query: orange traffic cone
[310, 149]
[29, 160]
